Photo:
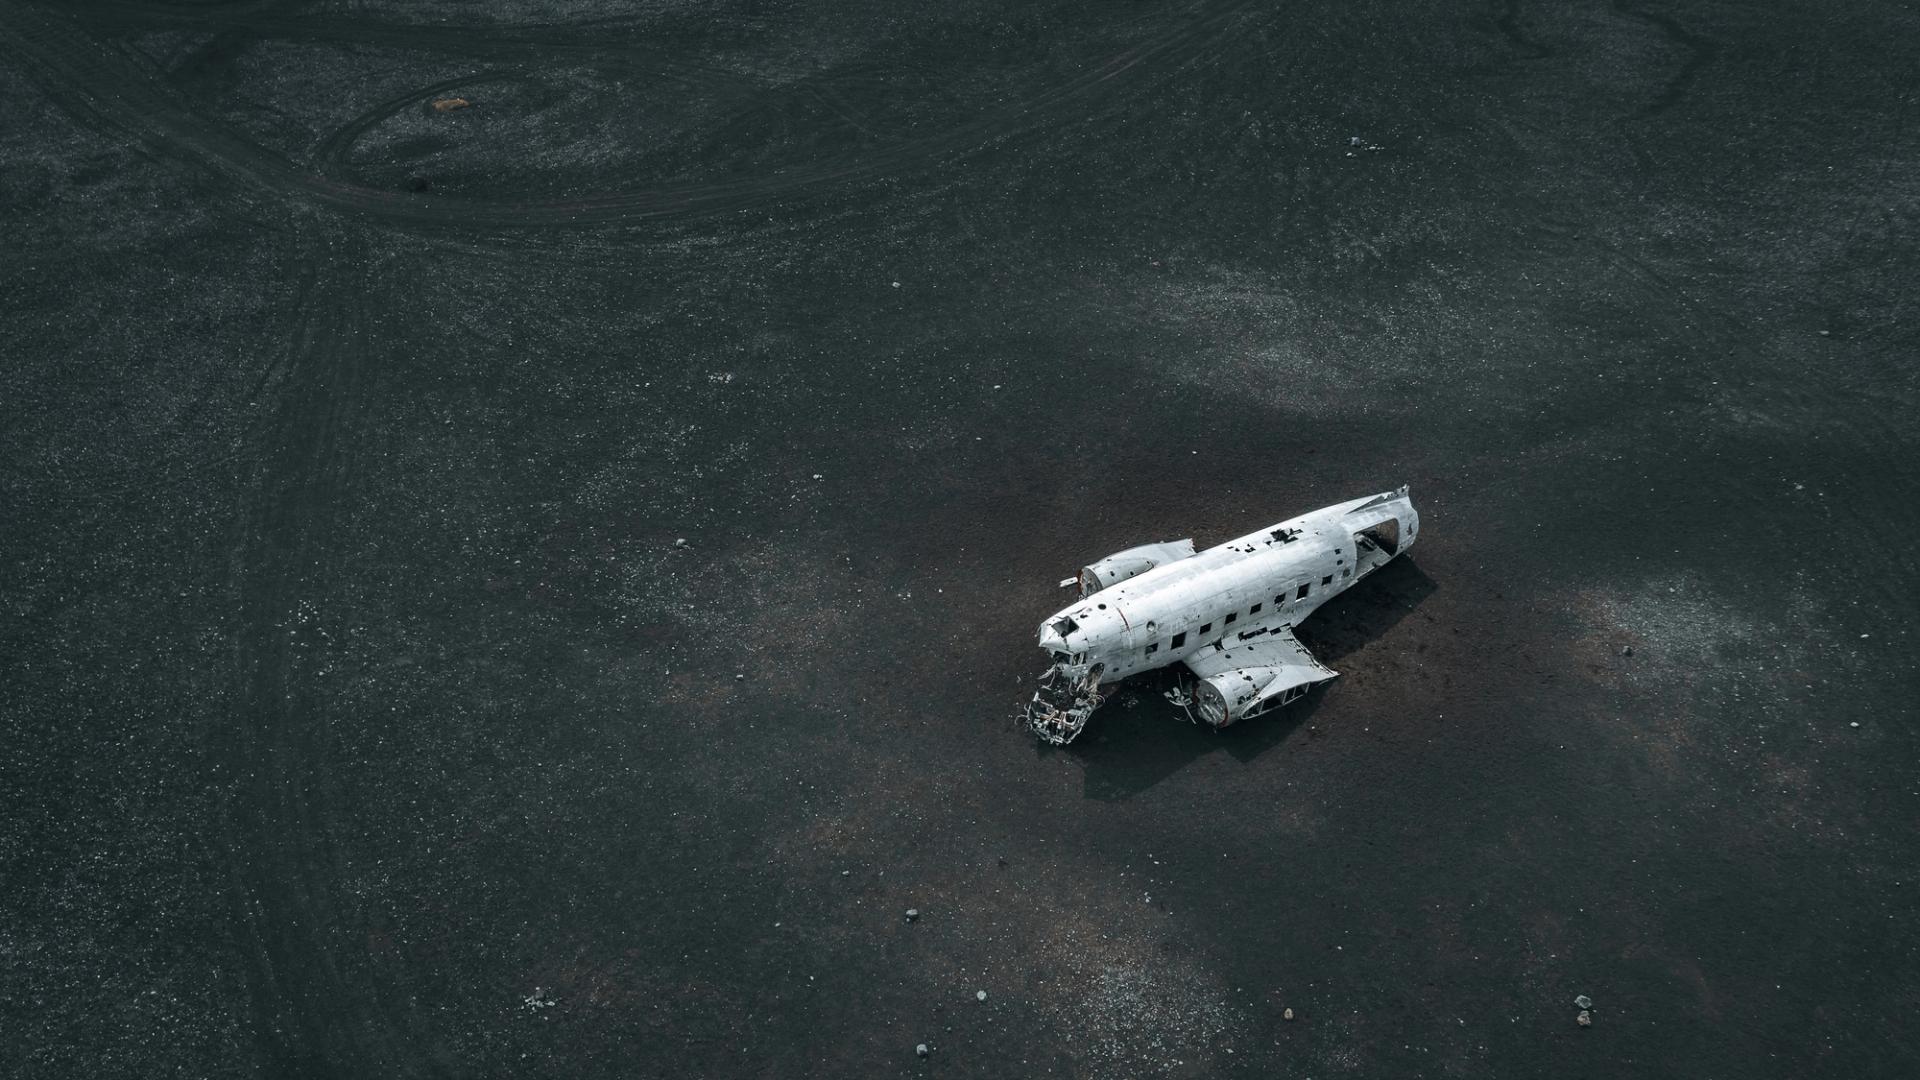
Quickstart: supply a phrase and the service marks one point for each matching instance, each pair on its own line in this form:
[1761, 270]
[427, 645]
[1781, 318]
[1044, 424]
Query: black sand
[355, 688]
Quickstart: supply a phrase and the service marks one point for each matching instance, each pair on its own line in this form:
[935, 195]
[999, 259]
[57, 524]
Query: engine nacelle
[1132, 562]
[1232, 695]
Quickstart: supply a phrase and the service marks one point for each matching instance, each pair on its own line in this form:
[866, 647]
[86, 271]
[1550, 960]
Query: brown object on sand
[448, 104]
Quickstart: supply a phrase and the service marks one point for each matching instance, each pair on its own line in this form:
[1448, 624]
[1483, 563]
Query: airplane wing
[1249, 672]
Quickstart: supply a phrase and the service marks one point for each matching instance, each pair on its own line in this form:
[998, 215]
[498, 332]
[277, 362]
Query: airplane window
[1281, 599]
[1232, 616]
[1304, 589]
[1255, 609]
[1328, 580]
[1206, 627]
[1153, 648]
[1179, 639]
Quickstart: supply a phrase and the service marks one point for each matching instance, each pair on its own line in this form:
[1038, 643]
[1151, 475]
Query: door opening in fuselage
[1374, 545]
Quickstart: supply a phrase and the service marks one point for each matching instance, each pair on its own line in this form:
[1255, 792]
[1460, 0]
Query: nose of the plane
[1051, 640]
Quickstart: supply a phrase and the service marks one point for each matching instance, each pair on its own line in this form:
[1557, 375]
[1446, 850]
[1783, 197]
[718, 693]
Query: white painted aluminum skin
[1227, 613]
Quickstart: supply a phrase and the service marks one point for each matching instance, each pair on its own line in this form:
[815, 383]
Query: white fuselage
[1276, 575]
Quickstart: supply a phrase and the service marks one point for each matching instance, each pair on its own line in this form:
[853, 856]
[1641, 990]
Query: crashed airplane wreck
[1227, 613]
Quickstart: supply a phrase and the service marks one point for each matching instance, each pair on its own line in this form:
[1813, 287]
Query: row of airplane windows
[1305, 590]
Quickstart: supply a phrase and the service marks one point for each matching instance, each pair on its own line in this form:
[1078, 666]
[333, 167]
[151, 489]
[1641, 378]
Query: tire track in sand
[309, 1019]
[114, 87]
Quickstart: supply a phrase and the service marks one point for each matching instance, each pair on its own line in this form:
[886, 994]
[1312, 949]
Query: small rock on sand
[1286, 1014]
[448, 104]
[1585, 1019]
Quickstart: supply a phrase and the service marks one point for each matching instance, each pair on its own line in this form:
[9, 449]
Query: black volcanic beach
[522, 528]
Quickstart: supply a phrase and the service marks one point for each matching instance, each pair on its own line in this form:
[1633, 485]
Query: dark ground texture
[355, 688]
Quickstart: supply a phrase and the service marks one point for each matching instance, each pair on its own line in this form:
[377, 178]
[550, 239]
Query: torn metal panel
[1066, 699]
[1227, 613]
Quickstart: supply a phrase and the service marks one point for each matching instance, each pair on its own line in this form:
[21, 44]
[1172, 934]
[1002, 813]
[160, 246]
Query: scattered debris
[448, 104]
[1853, 723]
[818, 476]
[913, 913]
[896, 284]
[1286, 1014]
[539, 999]
[681, 542]
[1583, 1002]
[920, 1050]
[980, 996]
[1585, 1019]
[846, 873]
[1354, 140]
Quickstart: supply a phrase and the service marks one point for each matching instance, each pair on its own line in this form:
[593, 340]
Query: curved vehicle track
[113, 87]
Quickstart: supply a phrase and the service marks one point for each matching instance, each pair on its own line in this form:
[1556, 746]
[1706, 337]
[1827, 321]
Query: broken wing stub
[1259, 669]
[1066, 699]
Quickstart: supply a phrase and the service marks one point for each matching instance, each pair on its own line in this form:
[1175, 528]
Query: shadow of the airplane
[1139, 738]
